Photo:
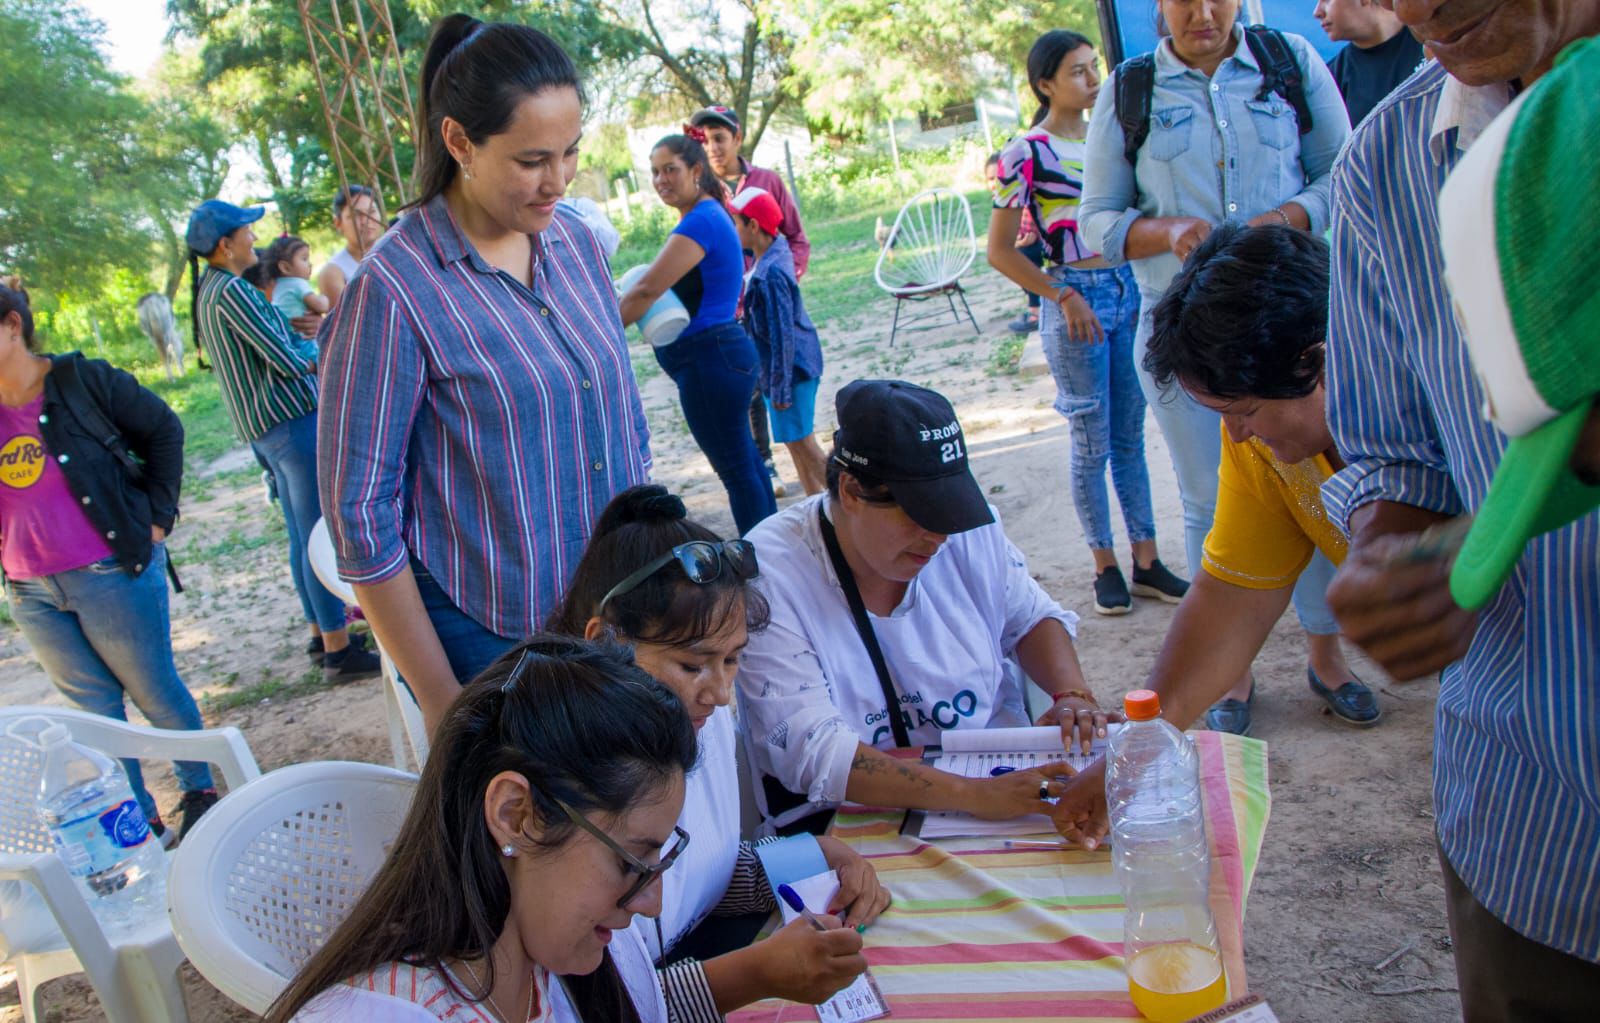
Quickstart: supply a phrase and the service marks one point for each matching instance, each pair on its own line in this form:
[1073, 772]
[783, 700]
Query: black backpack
[1280, 73]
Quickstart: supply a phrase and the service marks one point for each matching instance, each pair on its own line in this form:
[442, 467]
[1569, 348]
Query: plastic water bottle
[1163, 865]
[99, 831]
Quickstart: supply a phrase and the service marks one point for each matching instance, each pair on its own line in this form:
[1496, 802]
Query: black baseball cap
[716, 114]
[908, 437]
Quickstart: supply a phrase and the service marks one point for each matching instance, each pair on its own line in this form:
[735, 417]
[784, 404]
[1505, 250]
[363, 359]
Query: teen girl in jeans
[1088, 325]
[713, 362]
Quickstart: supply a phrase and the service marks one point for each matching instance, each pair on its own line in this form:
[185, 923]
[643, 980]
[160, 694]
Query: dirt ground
[1346, 917]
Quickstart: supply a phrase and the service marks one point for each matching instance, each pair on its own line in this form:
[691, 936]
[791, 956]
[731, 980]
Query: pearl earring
[466, 172]
[508, 850]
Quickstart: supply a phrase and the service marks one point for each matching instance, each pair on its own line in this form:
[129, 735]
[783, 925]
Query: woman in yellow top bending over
[1242, 328]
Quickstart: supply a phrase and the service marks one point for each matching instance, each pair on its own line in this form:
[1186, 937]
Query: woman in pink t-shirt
[90, 467]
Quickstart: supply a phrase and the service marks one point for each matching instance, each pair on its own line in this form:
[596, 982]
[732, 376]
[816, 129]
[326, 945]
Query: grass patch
[645, 366]
[1005, 357]
[237, 541]
[271, 688]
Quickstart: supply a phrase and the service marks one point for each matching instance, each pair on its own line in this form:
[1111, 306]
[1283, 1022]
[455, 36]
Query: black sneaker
[778, 489]
[352, 664]
[315, 650]
[1111, 593]
[1157, 582]
[192, 807]
[1024, 324]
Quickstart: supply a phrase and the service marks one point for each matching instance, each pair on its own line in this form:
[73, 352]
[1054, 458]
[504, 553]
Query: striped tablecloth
[981, 932]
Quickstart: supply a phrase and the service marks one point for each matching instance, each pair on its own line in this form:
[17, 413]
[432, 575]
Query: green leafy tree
[863, 60]
[699, 52]
[70, 181]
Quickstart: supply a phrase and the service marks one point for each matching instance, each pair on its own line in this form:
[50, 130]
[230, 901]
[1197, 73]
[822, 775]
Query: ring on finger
[1044, 788]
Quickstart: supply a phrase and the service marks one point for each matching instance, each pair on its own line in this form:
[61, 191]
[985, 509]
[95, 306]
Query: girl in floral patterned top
[1087, 321]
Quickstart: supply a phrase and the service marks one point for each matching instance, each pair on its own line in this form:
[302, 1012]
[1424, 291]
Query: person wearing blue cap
[267, 377]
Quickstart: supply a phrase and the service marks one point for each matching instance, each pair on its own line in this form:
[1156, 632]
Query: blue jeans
[1098, 392]
[715, 370]
[1194, 440]
[469, 646]
[289, 451]
[103, 637]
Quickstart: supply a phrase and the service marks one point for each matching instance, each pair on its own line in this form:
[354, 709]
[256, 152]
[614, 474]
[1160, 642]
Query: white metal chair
[47, 928]
[926, 252]
[407, 730]
[273, 869]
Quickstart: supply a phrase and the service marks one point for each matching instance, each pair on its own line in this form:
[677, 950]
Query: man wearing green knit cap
[1413, 365]
[1520, 224]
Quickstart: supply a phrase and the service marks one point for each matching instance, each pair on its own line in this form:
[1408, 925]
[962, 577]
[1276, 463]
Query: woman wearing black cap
[902, 554]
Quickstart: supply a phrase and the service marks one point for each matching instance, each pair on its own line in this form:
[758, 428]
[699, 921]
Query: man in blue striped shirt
[1517, 743]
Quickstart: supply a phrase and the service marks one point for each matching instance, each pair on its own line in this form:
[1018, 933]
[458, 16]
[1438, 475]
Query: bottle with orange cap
[1163, 866]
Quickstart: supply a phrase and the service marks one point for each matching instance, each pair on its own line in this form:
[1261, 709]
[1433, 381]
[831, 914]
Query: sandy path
[1348, 876]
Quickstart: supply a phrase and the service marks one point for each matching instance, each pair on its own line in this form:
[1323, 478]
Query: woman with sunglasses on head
[544, 816]
[713, 362]
[683, 599]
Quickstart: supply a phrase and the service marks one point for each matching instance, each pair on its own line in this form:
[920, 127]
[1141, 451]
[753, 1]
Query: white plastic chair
[47, 929]
[272, 870]
[929, 248]
[407, 730]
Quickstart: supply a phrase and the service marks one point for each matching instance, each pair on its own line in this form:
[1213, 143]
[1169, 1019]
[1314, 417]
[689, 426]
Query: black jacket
[120, 510]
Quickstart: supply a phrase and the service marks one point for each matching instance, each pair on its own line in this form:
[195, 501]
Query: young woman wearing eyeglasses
[681, 597]
[545, 814]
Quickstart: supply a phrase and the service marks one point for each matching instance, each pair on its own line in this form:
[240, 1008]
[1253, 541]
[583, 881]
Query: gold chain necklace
[487, 994]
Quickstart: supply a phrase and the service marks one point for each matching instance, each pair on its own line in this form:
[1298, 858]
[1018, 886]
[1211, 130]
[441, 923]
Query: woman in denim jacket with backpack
[1224, 142]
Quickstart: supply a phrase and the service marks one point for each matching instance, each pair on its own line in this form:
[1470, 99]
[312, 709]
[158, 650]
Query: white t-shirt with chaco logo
[807, 689]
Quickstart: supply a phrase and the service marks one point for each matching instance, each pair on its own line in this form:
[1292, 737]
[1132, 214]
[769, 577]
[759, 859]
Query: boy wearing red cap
[775, 317]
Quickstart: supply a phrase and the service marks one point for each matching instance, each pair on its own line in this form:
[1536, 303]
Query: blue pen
[1002, 769]
[798, 904]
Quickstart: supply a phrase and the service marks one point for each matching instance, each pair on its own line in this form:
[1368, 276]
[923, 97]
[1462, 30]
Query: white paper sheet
[861, 1000]
[979, 752]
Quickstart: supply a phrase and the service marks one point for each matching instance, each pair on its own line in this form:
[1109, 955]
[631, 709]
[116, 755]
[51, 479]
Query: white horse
[157, 321]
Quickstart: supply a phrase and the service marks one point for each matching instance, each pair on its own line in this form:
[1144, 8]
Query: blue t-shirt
[710, 290]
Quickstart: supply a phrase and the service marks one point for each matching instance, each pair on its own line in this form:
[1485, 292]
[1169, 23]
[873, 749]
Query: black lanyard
[858, 610]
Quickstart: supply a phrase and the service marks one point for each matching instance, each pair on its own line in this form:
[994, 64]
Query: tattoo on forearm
[866, 763]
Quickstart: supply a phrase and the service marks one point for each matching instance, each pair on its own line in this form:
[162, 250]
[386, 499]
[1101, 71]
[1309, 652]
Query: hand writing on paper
[861, 897]
[1080, 813]
[803, 964]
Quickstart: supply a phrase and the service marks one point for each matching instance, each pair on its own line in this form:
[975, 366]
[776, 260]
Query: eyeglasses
[647, 873]
[702, 563]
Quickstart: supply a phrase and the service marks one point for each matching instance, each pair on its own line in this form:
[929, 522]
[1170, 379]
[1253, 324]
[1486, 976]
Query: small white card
[861, 1000]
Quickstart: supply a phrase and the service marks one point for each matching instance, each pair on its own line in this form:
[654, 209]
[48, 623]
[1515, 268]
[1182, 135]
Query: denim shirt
[1214, 151]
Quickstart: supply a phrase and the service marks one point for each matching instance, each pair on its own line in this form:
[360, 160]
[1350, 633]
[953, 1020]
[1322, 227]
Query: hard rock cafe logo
[21, 462]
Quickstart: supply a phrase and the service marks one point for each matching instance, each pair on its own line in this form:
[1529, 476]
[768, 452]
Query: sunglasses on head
[702, 562]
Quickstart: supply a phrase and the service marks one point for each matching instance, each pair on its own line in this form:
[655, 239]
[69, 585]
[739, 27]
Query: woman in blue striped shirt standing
[478, 407]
